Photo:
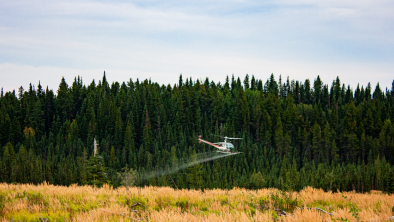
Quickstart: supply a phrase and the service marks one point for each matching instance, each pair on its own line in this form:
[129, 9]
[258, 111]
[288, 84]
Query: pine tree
[283, 174]
[118, 141]
[144, 122]
[253, 84]
[127, 178]
[246, 82]
[97, 172]
[273, 85]
[21, 165]
[9, 161]
[279, 142]
[63, 99]
[194, 175]
[334, 152]
[112, 159]
[307, 97]
[294, 177]
[83, 168]
[316, 142]
[317, 86]
[257, 181]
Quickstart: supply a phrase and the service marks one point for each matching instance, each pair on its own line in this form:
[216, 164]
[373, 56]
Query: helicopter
[224, 147]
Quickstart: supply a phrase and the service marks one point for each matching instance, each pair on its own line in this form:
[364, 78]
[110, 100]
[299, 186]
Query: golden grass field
[84, 203]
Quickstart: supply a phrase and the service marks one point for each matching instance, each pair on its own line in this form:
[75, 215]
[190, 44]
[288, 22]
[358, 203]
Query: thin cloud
[205, 38]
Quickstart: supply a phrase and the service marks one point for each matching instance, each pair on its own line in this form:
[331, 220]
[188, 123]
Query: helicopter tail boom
[204, 141]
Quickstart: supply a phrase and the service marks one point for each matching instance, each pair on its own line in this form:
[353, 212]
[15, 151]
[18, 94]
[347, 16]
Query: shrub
[37, 198]
[184, 205]
[280, 200]
[3, 199]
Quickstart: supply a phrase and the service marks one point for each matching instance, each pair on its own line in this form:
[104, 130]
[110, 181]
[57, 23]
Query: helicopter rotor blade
[234, 138]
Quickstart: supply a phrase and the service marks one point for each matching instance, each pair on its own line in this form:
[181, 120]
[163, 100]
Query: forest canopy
[295, 133]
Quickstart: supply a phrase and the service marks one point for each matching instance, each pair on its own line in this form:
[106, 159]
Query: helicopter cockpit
[229, 146]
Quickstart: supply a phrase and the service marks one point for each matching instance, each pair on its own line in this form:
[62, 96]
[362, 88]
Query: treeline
[295, 134]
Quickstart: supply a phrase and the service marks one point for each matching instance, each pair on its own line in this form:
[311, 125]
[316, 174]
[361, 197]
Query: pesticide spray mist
[183, 164]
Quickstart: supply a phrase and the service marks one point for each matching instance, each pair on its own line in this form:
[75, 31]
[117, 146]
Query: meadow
[44, 202]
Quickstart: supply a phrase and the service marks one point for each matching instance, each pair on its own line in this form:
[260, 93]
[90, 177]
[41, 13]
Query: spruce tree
[97, 172]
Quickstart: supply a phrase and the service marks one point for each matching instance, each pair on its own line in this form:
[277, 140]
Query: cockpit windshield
[229, 146]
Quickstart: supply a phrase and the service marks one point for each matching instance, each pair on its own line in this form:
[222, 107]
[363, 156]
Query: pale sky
[45, 40]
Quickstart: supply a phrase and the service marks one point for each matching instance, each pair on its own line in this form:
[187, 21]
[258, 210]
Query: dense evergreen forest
[295, 133]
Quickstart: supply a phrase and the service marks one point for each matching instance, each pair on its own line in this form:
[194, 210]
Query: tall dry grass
[84, 203]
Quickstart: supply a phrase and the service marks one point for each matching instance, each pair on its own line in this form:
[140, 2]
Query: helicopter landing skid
[231, 153]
